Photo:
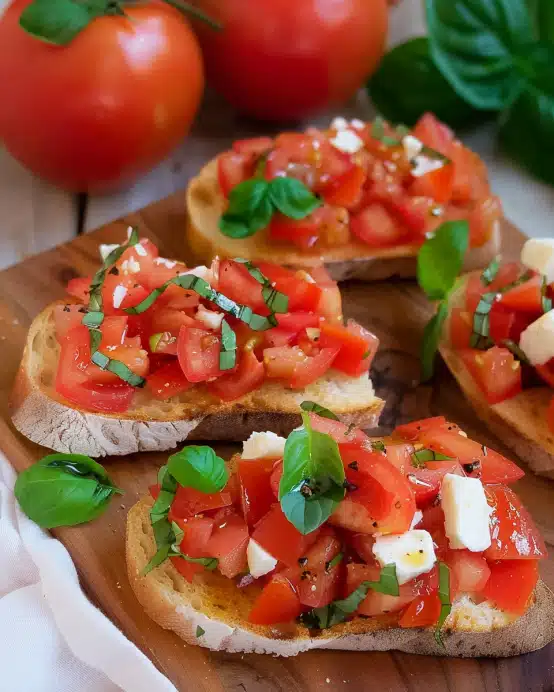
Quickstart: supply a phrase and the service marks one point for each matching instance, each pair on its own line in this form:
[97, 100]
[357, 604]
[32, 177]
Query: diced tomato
[297, 321]
[330, 304]
[340, 432]
[345, 190]
[232, 169]
[248, 376]
[469, 572]
[278, 337]
[526, 297]
[433, 522]
[383, 500]
[236, 282]
[168, 381]
[423, 611]
[281, 361]
[280, 538]
[363, 544]
[188, 502]
[255, 488]
[496, 372]
[312, 368]
[419, 215]
[228, 544]
[546, 372]
[434, 134]
[550, 415]
[254, 146]
[357, 346]
[79, 288]
[470, 175]
[511, 584]
[412, 431]
[169, 320]
[66, 317]
[461, 328]
[196, 534]
[400, 456]
[374, 226]
[278, 602]
[198, 353]
[303, 295]
[437, 184]
[374, 603]
[494, 467]
[486, 213]
[514, 534]
[426, 482]
[320, 582]
[163, 342]
[134, 293]
[275, 478]
[303, 233]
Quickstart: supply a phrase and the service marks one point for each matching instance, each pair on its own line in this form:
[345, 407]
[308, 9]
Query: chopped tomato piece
[297, 321]
[163, 342]
[278, 602]
[281, 539]
[470, 175]
[248, 376]
[255, 488]
[493, 466]
[255, 146]
[319, 583]
[67, 317]
[400, 456]
[330, 304]
[419, 215]
[437, 184]
[496, 372]
[278, 337]
[526, 297]
[511, 584]
[345, 190]
[170, 320]
[232, 169]
[412, 431]
[236, 282]
[550, 415]
[433, 521]
[340, 432]
[198, 353]
[376, 227]
[374, 603]
[486, 213]
[546, 372]
[303, 295]
[357, 345]
[196, 534]
[312, 368]
[423, 611]
[303, 233]
[426, 482]
[228, 544]
[434, 134]
[188, 502]
[514, 534]
[469, 572]
[168, 381]
[281, 361]
[461, 328]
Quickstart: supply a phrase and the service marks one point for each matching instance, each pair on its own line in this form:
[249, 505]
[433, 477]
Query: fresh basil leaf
[423, 455]
[200, 468]
[478, 45]
[544, 14]
[56, 21]
[228, 354]
[444, 597]
[274, 299]
[64, 490]
[292, 198]
[235, 227]
[441, 258]
[159, 556]
[250, 209]
[319, 410]
[334, 562]
[411, 63]
[200, 631]
[481, 320]
[310, 504]
[431, 338]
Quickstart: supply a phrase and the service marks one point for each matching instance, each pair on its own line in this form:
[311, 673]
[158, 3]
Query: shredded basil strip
[334, 562]
[378, 133]
[319, 410]
[228, 353]
[275, 300]
[420, 457]
[258, 323]
[200, 631]
[94, 317]
[444, 597]
[516, 350]
[489, 274]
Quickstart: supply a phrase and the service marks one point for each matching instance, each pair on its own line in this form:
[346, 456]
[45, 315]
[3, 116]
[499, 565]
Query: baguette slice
[520, 422]
[205, 205]
[42, 415]
[220, 609]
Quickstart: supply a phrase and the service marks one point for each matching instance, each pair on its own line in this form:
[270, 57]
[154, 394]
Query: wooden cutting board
[396, 312]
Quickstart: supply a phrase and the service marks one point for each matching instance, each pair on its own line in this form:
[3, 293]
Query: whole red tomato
[286, 59]
[106, 107]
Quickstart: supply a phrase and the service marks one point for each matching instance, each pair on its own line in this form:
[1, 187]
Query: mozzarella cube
[339, 124]
[347, 142]
[106, 249]
[130, 266]
[537, 341]
[260, 562]
[210, 318]
[425, 164]
[201, 272]
[412, 552]
[263, 445]
[466, 513]
[118, 295]
[418, 516]
[538, 254]
[165, 262]
[139, 249]
[412, 146]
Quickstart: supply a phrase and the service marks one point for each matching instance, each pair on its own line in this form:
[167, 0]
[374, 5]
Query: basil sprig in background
[482, 58]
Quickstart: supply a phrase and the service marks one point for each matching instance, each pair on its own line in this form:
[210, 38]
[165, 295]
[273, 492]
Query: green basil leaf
[334, 562]
[228, 354]
[307, 509]
[275, 301]
[55, 21]
[444, 597]
[431, 338]
[200, 631]
[477, 45]
[200, 468]
[544, 14]
[250, 209]
[411, 63]
[292, 198]
[441, 258]
[64, 490]
[235, 227]
[159, 556]
[319, 410]
[423, 455]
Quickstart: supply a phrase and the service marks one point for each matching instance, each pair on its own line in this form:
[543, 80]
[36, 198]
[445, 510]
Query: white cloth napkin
[52, 639]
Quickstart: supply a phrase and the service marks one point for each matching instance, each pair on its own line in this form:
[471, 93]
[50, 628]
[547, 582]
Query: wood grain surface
[396, 312]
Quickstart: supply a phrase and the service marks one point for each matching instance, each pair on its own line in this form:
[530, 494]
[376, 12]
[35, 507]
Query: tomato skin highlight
[511, 584]
[107, 133]
[280, 538]
[278, 602]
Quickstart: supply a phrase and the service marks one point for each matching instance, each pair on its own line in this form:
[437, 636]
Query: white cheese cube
[412, 146]
[260, 562]
[118, 295]
[537, 341]
[418, 516]
[538, 254]
[263, 445]
[347, 142]
[210, 318]
[425, 164]
[339, 124]
[130, 266]
[165, 262]
[202, 272]
[466, 513]
[106, 249]
[412, 552]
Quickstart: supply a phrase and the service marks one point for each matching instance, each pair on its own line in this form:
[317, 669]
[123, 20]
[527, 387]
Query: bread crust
[220, 611]
[43, 416]
[520, 422]
[205, 204]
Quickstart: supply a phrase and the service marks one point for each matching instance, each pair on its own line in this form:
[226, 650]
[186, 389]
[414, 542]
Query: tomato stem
[195, 12]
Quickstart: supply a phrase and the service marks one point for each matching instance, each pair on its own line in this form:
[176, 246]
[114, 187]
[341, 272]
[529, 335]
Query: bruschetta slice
[359, 196]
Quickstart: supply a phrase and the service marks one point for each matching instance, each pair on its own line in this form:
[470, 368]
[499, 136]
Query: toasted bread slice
[220, 609]
[45, 417]
[520, 422]
[205, 205]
